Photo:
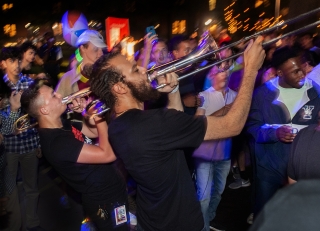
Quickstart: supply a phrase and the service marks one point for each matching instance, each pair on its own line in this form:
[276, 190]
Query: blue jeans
[211, 179]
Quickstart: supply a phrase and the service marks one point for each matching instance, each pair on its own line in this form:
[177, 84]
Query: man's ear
[81, 49]
[44, 111]
[175, 53]
[279, 73]
[4, 64]
[120, 88]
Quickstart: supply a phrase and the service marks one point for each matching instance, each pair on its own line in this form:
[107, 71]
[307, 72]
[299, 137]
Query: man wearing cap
[90, 44]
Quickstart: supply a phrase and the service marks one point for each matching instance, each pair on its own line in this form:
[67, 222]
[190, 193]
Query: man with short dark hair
[83, 165]
[28, 55]
[151, 142]
[180, 47]
[280, 107]
[159, 53]
[23, 148]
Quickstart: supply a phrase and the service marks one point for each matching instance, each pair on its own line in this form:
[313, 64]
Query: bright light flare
[208, 22]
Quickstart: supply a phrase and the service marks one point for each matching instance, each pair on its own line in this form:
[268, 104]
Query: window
[179, 27]
[10, 30]
[212, 4]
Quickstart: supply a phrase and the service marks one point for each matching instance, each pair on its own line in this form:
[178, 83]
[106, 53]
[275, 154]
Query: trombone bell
[23, 124]
[79, 94]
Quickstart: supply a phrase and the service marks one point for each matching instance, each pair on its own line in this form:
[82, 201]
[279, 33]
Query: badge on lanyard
[120, 214]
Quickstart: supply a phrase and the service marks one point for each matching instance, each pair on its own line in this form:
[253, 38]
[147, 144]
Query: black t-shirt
[304, 158]
[62, 146]
[150, 144]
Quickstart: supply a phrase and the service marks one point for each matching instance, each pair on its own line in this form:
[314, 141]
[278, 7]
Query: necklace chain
[120, 113]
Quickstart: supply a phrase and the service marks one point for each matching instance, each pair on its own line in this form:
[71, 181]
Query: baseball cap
[91, 36]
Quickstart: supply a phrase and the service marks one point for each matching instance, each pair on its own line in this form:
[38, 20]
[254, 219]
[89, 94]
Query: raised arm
[11, 114]
[232, 123]
[144, 59]
[103, 153]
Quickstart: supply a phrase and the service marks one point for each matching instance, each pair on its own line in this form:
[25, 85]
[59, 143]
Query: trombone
[207, 49]
[23, 123]
[305, 28]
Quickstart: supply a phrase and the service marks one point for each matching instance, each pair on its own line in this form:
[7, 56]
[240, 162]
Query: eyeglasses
[221, 69]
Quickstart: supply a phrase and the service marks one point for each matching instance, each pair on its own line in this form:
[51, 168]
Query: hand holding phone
[151, 31]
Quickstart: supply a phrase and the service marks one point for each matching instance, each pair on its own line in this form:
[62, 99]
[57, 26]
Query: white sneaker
[239, 183]
[250, 219]
[133, 219]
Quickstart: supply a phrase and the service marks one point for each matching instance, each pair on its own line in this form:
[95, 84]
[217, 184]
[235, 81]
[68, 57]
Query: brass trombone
[305, 28]
[208, 49]
[23, 123]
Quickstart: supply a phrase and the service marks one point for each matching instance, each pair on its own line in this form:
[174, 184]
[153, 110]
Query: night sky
[141, 13]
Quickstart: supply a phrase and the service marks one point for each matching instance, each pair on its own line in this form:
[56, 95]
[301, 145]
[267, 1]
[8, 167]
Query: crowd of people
[178, 143]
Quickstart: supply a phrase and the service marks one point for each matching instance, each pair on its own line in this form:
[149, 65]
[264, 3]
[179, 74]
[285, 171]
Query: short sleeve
[181, 130]
[78, 125]
[66, 147]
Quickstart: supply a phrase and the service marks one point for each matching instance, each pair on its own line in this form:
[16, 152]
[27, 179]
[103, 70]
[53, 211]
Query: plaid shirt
[23, 83]
[24, 142]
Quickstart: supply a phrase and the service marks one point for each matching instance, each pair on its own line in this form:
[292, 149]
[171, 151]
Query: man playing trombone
[84, 166]
[151, 142]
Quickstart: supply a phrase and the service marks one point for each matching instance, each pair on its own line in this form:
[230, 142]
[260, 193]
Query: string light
[252, 28]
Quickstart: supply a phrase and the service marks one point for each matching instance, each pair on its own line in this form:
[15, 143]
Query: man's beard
[142, 92]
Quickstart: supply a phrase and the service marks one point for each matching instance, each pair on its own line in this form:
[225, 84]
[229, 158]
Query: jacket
[271, 155]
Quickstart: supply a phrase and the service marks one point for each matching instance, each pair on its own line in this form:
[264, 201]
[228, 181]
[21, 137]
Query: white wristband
[175, 89]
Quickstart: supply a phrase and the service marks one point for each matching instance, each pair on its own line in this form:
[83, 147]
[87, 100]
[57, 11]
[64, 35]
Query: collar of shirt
[307, 84]
[212, 89]
[305, 98]
[22, 84]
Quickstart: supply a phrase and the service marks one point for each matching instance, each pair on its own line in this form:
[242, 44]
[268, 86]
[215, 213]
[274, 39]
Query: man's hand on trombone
[79, 104]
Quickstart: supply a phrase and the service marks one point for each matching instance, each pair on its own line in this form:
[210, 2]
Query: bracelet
[175, 89]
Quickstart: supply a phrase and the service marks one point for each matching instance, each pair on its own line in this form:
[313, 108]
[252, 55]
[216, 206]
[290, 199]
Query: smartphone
[150, 29]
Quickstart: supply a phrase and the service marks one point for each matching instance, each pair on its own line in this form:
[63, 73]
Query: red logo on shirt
[77, 134]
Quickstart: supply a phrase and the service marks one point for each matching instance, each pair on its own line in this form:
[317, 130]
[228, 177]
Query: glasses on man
[221, 68]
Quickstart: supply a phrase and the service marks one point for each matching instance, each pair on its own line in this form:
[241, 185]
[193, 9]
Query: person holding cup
[280, 107]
